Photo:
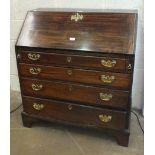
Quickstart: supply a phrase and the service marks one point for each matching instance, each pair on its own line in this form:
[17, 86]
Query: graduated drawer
[75, 92]
[118, 80]
[106, 63]
[74, 113]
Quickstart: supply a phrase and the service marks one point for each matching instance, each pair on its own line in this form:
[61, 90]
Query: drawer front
[75, 114]
[75, 92]
[105, 63]
[76, 75]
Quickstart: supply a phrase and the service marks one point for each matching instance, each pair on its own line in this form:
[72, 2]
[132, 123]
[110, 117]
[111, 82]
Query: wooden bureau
[76, 67]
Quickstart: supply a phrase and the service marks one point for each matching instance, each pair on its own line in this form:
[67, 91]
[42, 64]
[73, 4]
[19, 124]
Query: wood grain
[75, 92]
[101, 32]
[84, 61]
[121, 81]
[79, 114]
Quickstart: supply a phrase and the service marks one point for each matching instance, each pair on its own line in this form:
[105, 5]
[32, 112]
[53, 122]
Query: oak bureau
[76, 67]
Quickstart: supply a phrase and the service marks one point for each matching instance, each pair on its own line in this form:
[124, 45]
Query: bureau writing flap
[94, 31]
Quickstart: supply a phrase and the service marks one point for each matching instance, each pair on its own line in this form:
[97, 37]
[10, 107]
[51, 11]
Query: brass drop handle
[37, 87]
[69, 59]
[38, 107]
[34, 70]
[107, 79]
[33, 56]
[105, 118]
[105, 97]
[70, 107]
[77, 17]
[108, 63]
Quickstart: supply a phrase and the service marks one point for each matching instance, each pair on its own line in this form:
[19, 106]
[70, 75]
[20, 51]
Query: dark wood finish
[110, 32]
[122, 137]
[85, 115]
[68, 54]
[28, 121]
[121, 81]
[75, 92]
[75, 60]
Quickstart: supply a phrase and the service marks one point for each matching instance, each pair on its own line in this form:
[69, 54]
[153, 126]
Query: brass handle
[105, 97]
[33, 56]
[108, 63]
[76, 17]
[105, 118]
[69, 72]
[70, 107]
[34, 70]
[69, 59]
[38, 107]
[37, 87]
[107, 79]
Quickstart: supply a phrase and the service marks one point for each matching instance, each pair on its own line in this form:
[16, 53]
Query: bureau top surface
[105, 31]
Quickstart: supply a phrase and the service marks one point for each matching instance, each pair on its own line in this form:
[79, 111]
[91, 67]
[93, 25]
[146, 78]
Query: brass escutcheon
[105, 118]
[69, 72]
[70, 88]
[70, 107]
[69, 59]
[77, 17]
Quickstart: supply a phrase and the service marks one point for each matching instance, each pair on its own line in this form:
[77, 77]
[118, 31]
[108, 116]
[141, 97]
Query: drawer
[105, 63]
[122, 81]
[75, 92]
[75, 114]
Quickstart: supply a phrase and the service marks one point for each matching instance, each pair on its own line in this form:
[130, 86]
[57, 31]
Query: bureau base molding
[122, 137]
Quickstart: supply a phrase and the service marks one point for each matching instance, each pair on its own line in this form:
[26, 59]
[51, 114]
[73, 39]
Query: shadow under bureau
[76, 67]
